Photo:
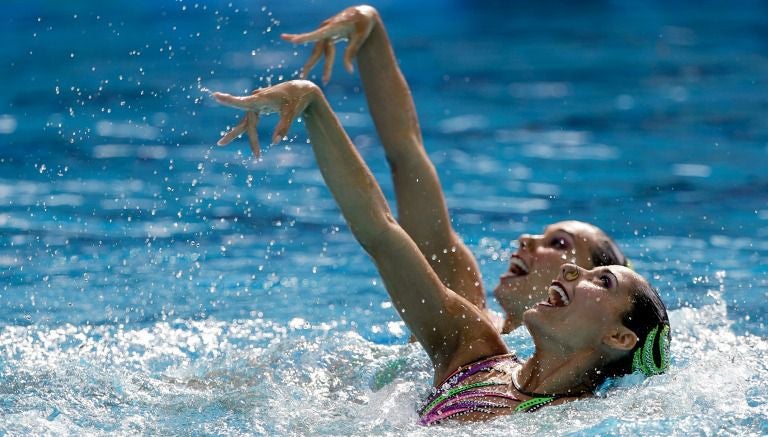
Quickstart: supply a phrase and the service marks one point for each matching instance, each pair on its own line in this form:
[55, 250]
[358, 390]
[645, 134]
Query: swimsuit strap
[538, 400]
[534, 404]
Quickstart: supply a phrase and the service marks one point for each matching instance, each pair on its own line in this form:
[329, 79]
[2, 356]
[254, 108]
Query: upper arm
[451, 329]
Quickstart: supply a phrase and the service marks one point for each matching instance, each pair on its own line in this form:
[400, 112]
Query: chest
[474, 394]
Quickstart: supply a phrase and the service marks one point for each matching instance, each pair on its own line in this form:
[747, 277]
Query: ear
[622, 338]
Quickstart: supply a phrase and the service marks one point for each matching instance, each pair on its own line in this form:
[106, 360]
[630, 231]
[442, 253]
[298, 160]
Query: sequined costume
[453, 397]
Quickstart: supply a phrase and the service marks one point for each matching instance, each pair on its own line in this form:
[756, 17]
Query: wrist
[311, 94]
[305, 91]
[368, 11]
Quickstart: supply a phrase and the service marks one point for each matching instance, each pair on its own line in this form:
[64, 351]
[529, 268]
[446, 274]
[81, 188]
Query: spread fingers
[317, 52]
[233, 101]
[330, 54]
[251, 123]
[234, 132]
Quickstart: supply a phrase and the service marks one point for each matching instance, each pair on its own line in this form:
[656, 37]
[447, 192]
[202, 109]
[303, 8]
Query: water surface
[154, 283]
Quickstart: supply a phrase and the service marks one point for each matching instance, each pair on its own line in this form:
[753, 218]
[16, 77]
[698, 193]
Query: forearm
[421, 203]
[388, 95]
[417, 293]
[348, 178]
[422, 210]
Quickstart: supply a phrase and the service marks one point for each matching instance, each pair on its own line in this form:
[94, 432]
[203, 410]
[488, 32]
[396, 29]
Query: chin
[502, 294]
[531, 318]
[508, 300]
[519, 297]
[539, 318]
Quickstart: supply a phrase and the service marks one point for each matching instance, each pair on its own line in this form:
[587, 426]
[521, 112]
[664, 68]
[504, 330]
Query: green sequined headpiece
[643, 360]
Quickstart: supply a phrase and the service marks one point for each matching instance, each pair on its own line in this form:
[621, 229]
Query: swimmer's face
[584, 310]
[538, 261]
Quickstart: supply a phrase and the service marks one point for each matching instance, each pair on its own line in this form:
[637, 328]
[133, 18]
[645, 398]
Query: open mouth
[517, 267]
[557, 296]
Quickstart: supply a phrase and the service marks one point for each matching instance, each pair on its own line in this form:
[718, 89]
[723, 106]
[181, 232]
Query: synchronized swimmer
[590, 319]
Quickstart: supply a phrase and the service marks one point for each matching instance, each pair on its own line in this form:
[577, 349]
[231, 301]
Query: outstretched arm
[452, 330]
[420, 201]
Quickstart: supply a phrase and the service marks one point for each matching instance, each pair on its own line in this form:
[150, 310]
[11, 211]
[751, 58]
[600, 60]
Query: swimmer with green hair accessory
[588, 328]
[586, 325]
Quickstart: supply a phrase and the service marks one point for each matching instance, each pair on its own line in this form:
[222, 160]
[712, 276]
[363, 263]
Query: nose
[570, 272]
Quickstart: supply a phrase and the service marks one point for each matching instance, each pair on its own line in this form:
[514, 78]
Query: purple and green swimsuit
[453, 397]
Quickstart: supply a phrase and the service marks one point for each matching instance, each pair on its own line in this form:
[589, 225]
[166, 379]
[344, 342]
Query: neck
[514, 320]
[550, 373]
[510, 324]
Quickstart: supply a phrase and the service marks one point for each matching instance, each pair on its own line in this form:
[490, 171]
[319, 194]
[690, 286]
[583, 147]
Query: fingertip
[256, 150]
[280, 132]
[348, 64]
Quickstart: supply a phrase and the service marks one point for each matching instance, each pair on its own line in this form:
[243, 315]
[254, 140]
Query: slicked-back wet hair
[604, 252]
[647, 312]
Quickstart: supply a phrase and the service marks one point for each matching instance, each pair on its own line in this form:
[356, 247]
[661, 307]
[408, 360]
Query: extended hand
[353, 24]
[289, 99]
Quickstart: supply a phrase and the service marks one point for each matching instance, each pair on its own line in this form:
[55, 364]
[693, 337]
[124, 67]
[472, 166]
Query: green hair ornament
[643, 360]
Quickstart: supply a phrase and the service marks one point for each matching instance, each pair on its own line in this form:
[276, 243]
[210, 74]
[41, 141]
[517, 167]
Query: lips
[517, 267]
[558, 296]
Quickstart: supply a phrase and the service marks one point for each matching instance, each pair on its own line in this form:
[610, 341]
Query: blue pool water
[152, 283]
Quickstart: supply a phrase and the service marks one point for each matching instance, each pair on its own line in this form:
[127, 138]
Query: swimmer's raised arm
[420, 201]
[452, 330]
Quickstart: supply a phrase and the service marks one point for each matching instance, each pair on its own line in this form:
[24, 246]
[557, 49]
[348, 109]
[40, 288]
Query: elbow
[378, 236]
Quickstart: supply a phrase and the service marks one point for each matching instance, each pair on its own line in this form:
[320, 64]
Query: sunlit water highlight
[253, 376]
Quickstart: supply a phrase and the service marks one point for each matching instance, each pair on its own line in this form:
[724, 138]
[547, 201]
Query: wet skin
[538, 261]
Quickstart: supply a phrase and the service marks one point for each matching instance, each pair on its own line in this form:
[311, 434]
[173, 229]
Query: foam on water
[254, 376]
